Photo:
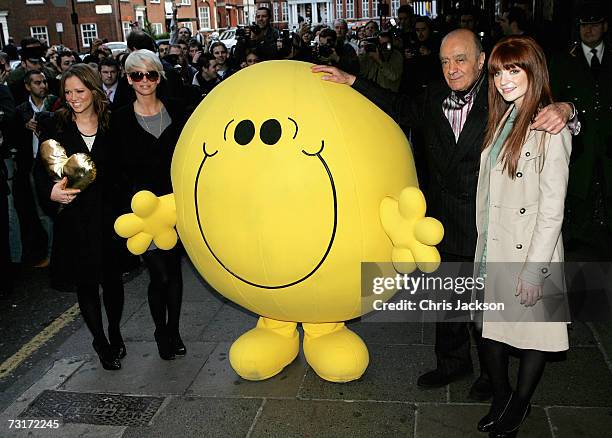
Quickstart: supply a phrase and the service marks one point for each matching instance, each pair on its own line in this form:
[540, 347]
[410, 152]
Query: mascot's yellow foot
[264, 351]
[334, 352]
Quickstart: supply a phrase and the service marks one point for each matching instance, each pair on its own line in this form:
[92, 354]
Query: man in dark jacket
[452, 115]
[36, 226]
[583, 76]
[7, 114]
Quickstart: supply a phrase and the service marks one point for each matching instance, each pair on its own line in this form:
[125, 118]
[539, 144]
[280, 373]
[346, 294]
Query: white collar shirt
[36, 109]
[589, 55]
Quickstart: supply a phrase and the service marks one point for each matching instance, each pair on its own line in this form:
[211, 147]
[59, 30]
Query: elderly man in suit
[584, 76]
[452, 115]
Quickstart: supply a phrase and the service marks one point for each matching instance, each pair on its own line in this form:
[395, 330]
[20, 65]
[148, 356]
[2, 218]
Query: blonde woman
[146, 132]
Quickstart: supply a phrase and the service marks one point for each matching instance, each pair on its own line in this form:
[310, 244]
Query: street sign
[104, 9]
[59, 27]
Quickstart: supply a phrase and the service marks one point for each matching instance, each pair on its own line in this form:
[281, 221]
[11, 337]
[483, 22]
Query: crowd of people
[468, 100]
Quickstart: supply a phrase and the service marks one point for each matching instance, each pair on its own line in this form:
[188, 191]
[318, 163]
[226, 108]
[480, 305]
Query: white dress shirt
[110, 91]
[589, 55]
[36, 109]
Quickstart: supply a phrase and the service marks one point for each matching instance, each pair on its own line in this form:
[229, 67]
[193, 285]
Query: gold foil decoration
[79, 168]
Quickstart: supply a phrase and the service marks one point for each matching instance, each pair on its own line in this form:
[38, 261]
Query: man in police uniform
[583, 76]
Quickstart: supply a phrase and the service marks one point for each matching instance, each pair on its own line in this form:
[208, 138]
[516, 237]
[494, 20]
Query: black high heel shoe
[178, 347]
[107, 357]
[487, 422]
[119, 350]
[164, 347]
[117, 345]
[501, 430]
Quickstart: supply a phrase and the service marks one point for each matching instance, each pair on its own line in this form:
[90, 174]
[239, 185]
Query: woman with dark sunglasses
[146, 132]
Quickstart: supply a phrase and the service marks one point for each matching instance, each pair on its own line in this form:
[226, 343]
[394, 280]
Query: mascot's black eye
[244, 133]
[270, 132]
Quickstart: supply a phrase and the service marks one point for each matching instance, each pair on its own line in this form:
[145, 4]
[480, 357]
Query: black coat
[452, 165]
[143, 161]
[84, 242]
[34, 239]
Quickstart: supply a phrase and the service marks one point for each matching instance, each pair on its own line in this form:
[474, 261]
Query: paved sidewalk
[200, 395]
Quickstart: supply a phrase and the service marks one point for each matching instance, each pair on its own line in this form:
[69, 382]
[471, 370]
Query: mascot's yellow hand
[153, 220]
[413, 235]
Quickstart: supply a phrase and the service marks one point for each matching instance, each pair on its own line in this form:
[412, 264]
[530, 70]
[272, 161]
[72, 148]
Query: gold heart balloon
[79, 168]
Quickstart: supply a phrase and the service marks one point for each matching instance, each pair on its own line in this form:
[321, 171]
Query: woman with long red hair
[519, 212]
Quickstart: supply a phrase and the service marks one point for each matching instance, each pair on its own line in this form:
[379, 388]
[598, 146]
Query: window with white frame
[154, 1]
[204, 12]
[127, 28]
[186, 2]
[365, 8]
[395, 4]
[338, 8]
[275, 11]
[39, 32]
[34, 2]
[158, 29]
[188, 25]
[285, 11]
[350, 9]
[374, 8]
[89, 32]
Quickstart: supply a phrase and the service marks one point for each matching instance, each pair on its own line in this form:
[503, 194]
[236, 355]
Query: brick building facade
[111, 19]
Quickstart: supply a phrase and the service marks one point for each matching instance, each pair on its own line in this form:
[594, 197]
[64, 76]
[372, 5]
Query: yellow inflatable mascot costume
[283, 184]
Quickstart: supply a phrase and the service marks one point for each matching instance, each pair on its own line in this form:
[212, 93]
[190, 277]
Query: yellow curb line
[9, 365]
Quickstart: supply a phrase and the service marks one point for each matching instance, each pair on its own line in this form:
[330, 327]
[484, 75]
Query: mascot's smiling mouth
[242, 278]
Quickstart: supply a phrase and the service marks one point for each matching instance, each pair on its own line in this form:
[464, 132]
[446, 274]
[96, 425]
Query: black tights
[532, 362]
[89, 303]
[165, 289]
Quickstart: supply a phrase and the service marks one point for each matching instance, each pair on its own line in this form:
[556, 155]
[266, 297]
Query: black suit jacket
[453, 165]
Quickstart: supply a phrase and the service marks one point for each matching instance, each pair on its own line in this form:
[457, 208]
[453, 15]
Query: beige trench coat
[524, 241]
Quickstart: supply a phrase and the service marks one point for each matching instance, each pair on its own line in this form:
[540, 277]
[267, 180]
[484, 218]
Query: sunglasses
[138, 76]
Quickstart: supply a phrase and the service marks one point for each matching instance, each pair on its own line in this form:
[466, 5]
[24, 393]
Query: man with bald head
[452, 115]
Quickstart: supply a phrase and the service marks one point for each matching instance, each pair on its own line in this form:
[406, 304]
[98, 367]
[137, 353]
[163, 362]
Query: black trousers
[453, 339]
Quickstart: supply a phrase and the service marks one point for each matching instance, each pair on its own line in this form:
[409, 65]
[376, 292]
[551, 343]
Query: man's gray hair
[341, 21]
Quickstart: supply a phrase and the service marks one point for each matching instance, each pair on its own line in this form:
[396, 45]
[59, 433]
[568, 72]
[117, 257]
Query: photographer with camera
[421, 61]
[247, 38]
[267, 46]
[180, 63]
[330, 51]
[380, 62]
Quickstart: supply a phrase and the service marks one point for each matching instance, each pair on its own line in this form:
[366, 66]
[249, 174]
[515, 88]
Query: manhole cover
[106, 409]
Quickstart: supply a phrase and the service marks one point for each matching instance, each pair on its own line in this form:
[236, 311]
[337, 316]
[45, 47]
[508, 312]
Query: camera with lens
[241, 32]
[370, 44]
[325, 50]
[173, 60]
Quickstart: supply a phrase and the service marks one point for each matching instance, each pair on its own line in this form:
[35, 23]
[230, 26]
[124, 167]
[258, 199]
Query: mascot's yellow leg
[334, 352]
[264, 351]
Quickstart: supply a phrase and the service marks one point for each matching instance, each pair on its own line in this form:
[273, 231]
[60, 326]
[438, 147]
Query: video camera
[244, 32]
[370, 44]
